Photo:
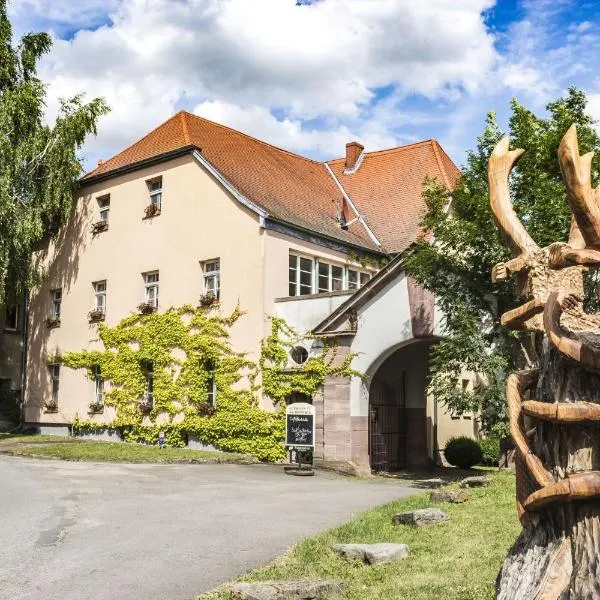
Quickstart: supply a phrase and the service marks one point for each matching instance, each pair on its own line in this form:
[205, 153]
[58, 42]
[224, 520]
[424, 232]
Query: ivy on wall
[280, 381]
[187, 348]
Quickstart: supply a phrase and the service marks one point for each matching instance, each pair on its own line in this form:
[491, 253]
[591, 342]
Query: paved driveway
[87, 531]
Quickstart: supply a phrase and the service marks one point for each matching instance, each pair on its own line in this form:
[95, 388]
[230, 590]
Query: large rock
[372, 554]
[420, 517]
[452, 496]
[287, 590]
[480, 481]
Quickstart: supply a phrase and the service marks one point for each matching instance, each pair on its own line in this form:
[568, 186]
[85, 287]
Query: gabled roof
[385, 189]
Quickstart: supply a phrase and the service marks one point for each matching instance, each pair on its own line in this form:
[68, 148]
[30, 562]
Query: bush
[490, 448]
[463, 452]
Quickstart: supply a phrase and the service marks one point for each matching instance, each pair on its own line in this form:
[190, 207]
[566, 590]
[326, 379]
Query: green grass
[68, 448]
[456, 560]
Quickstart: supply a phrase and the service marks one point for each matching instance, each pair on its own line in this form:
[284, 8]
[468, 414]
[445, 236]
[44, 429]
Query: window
[56, 303]
[155, 191]
[353, 279]
[55, 379]
[364, 278]
[11, 320]
[211, 387]
[212, 277]
[301, 275]
[331, 277]
[149, 373]
[104, 208]
[98, 386]
[299, 354]
[151, 288]
[100, 295]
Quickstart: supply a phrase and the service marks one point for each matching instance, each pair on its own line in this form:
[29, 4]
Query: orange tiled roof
[386, 189]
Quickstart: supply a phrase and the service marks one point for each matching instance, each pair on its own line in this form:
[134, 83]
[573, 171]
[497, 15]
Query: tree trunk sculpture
[554, 410]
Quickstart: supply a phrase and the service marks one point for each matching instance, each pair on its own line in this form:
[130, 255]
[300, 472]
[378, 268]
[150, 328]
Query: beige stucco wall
[199, 220]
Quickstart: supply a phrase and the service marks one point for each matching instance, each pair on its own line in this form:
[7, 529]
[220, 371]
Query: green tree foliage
[39, 166]
[457, 266]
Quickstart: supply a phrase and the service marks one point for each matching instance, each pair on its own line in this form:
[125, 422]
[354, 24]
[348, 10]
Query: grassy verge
[456, 560]
[68, 448]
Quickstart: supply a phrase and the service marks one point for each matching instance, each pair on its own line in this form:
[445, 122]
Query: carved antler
[576, 172]
[500, 165]
[501, 162]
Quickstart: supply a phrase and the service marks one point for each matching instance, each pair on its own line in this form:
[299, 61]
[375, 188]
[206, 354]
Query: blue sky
[312, 77]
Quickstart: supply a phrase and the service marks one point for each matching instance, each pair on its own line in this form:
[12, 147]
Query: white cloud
[321, 61]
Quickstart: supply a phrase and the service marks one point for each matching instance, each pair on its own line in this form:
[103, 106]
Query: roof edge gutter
[352, 205]
[263, 214]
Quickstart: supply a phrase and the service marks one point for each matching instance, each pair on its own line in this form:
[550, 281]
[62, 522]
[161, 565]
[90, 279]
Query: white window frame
[100, 293]
[211, 389]
[212, 277]
[155, 193]
[151, 288]
[297, 283]
[149, 374]
[98, 385]
[55, 380]
[56, 303]
[8, 327]
[104, 207]
[330, 277]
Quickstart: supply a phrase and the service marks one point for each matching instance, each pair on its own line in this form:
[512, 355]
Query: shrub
[463, 452]
[490, 448]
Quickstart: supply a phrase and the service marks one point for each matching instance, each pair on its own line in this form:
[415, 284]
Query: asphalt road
[90, 531]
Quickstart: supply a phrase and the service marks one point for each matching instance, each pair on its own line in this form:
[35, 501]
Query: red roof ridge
[389, 150]
[186, 133]
[250, 137]
[436, 152]
[173, 117]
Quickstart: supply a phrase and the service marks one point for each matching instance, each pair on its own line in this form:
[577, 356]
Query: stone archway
[399, 435]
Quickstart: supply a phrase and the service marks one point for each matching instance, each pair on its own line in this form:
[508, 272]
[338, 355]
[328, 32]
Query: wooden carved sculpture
[554, 410]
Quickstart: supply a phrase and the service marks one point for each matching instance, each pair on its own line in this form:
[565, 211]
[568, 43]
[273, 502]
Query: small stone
[287, 590]
[452, 496]
[420, 517]
[434, 483]
[480, 481]
[372, 554]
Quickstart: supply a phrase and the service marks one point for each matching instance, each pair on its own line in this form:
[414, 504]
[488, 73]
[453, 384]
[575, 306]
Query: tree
[39, 166]
[457, 266]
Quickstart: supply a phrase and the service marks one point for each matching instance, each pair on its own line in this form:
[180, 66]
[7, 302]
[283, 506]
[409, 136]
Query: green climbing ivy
[280, 382]
[187, 349]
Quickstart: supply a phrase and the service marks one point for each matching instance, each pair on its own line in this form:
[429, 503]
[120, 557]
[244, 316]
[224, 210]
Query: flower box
[151, 211]
[52, 322]
[207, 300]
[96, 406]
[146, 308]
[96, 315]
[51, 405]
[99, 227]
[146, 404]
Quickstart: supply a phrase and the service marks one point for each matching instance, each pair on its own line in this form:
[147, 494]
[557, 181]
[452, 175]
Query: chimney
[353, 151]
[100, 161]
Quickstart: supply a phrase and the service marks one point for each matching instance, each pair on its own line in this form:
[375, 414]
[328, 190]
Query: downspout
[24, 358]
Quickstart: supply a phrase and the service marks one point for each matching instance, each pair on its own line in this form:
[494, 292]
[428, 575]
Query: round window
[299, 354]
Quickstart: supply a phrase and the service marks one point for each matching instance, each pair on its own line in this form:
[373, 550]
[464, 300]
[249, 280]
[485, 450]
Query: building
[194, 208]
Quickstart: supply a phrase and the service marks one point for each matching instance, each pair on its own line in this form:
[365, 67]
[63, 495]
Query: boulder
[287, 590]
[452, 496]
[420, 517]
[480, 481]
[372, 554]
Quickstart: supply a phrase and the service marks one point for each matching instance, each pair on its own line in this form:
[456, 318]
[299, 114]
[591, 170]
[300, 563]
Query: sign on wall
[300, 425]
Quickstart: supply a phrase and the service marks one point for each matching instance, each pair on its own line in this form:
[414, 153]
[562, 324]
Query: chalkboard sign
[300, 425]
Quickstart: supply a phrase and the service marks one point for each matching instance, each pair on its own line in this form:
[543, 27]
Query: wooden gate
[387, 426]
